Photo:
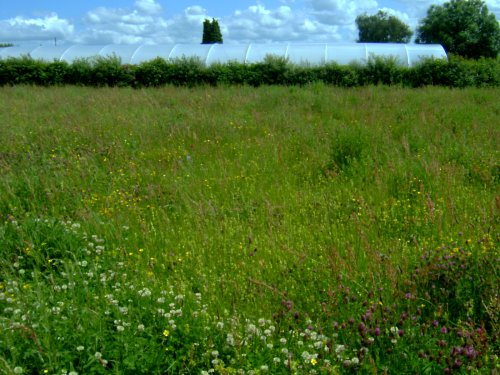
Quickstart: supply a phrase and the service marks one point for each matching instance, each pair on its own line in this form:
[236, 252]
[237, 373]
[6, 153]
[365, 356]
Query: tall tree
[211, 32]
[382, 28]
[463, 27]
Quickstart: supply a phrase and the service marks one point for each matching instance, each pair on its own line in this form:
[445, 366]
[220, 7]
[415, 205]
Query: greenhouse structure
[303, 53]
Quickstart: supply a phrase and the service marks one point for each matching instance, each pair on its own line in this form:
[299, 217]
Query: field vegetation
[242, 230]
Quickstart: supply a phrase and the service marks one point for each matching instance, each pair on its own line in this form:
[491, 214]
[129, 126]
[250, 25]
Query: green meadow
[240, 230]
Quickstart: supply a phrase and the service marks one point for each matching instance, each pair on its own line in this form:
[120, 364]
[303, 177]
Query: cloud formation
[42, 28]
[146, 21]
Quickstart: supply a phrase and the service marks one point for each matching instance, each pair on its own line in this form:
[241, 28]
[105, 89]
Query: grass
[242, 230]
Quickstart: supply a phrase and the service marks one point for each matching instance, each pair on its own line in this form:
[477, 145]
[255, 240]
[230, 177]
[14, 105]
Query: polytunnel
[312, 53]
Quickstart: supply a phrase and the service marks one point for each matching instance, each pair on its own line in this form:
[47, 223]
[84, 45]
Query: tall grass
[231, 230]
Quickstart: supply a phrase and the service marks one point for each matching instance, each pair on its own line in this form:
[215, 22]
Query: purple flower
[361, 327]
[435, 323]
[444, 329]
[377, 331]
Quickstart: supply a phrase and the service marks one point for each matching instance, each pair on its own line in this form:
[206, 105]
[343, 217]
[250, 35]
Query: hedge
[109, 71]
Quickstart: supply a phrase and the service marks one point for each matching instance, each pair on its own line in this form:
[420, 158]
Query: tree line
[463, 27]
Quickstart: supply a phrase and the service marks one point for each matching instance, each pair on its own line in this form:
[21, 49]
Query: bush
[274, 70]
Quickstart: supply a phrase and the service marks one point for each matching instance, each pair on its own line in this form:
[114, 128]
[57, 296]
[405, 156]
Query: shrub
[274, 70]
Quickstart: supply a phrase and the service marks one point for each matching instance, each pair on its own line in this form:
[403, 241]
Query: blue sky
[180, 21]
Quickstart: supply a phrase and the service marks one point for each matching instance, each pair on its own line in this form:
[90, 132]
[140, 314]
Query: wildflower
[314, 361]
[264, 368]
[166, 332]
[97, 355]
[140, 327]
[444, 329]
[18, 370]
[355, 361]
[80, 348]
[120, 328]
[145, 292]
[72, 373]
[215, 353]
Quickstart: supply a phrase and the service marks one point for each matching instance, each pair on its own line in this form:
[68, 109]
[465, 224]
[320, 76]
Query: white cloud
[150, 7]
[42, 28]
[340, 12]
[146, 22]
[141, 24]
[260, 24]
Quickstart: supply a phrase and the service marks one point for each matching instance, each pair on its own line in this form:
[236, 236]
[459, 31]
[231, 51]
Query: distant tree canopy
[463, 27]
[211, 32]
[5, 45]
[382, 28]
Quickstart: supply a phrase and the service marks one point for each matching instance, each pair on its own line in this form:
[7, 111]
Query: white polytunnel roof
[305, 53]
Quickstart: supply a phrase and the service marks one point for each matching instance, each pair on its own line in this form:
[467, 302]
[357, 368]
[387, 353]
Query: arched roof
[304, 53]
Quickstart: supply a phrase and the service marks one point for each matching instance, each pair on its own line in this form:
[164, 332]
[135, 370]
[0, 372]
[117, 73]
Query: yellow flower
[314, 361]
[166, 333]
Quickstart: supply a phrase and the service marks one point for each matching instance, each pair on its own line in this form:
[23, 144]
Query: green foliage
[5, 45]
[382, 28]
[211, 32]
[274, 70]
[464, 27]
[226, 230]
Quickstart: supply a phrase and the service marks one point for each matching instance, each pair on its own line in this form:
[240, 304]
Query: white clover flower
[283, 341]
[394, 330]
[318, 344]
[220, 325]
[140, 327]
[73, 373]
[97, 355]
[80, 348]
[339, 349]
[276, 360]
[215, 353]
[262, 322]
[145, 292]
[230, 339]
[264, 368]
[161, 300]
[18, 370]
[252, 329]
[267, 332]
[269, 346]
[120, 328]
[355, 361]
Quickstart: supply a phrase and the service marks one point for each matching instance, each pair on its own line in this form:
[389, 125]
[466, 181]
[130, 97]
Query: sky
[180, 21]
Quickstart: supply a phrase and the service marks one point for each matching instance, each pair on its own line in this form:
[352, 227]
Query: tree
[5, 45]
[463, 27]
[382, 28]
[211, 32]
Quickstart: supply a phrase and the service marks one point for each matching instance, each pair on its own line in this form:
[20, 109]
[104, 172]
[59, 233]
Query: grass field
[240, 230]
